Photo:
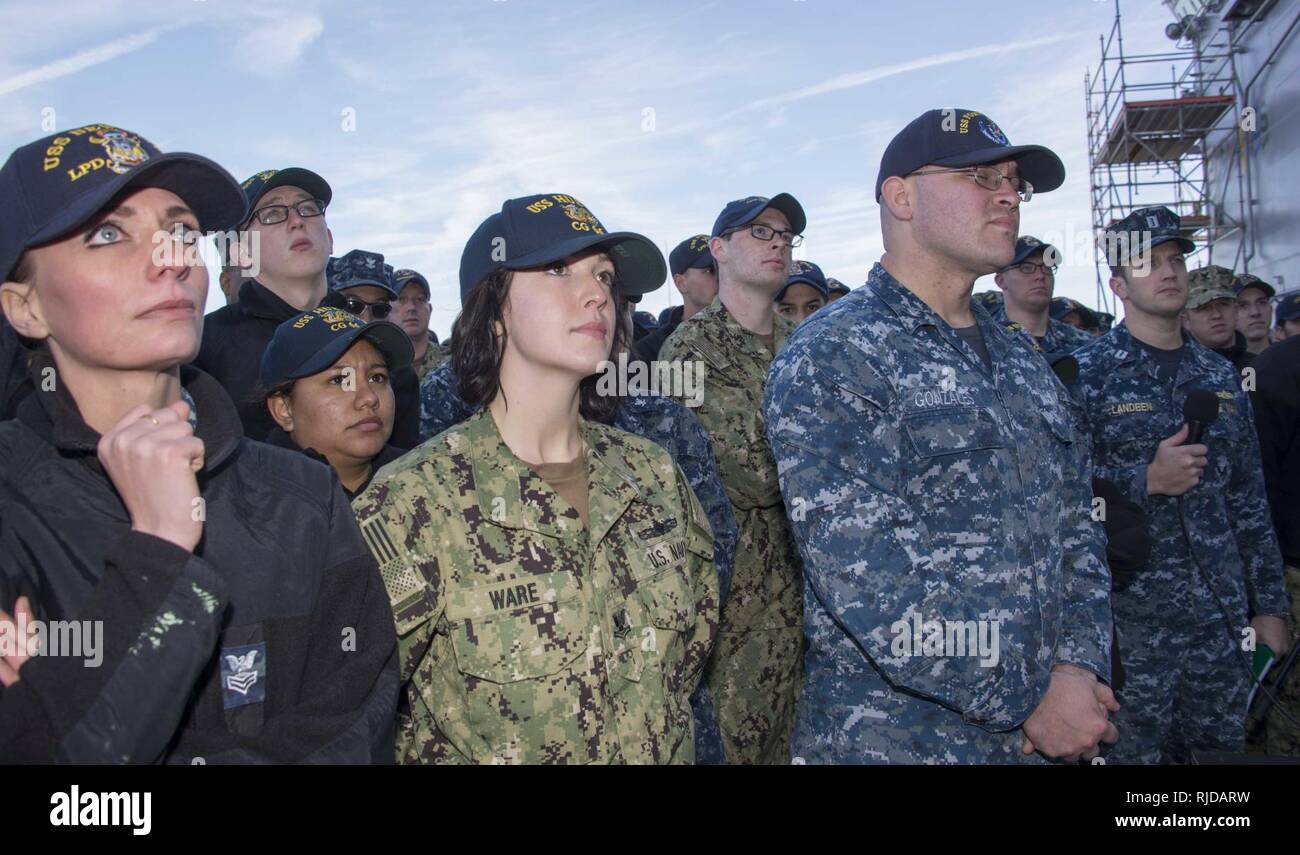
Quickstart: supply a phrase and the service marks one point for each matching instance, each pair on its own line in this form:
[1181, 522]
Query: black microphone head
[1065, 366]
[1201, 406]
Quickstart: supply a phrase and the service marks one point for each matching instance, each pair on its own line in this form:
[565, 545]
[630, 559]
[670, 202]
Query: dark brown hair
[476, 351]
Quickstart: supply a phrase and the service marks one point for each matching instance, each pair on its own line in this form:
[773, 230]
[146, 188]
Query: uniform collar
[1128, 350]
[54, 415]
[512, 495]
[915, 315]
[261, 302]
[743, 338]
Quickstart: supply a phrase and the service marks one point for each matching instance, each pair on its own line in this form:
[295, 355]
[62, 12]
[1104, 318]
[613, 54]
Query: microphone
[1199, 411]
[1064, 366]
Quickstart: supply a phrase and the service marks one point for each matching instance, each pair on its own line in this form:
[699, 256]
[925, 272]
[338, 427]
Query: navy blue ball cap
[1027, 246]
[809, 274]
[1142, 231]
[57, 183]
[1250, 280]
[405, 276]
[1288, 309]
[1062, 306]
[258, 185]
[533, 231]
[692, 252]
[957, 138]
[742, 212]
[360, 267]
[311, 342]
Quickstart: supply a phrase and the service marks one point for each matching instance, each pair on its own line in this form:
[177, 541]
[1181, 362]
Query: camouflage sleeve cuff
[1018, 685]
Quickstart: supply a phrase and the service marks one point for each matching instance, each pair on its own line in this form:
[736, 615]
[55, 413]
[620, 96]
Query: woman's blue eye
[104, 233]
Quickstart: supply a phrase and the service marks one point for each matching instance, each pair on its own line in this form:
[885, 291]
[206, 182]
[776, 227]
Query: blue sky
[654, 115]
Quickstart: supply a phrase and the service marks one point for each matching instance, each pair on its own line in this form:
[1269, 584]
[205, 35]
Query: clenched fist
[152, 457]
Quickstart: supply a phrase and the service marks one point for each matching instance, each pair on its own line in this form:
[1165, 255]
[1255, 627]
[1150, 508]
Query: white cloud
[871, 75]
[81, 61]
[278, 42]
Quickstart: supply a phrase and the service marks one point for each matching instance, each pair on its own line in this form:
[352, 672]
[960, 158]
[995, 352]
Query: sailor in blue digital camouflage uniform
[956, 601]
[1181, 623]
[1027, 284]
[673, 428]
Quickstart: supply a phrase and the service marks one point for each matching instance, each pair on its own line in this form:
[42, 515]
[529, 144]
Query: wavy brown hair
[476, 351]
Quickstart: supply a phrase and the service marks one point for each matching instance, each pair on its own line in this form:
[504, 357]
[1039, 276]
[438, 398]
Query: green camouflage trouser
[1282, 736]
[755, 678]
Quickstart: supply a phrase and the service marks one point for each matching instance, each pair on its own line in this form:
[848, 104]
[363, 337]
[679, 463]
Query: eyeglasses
[989, 178]
[765, 233]
[379, 309]
[272, 214]
[414, 299]
[1029, 268]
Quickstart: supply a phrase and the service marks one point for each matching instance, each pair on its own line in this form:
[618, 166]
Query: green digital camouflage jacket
[525, 637]
[434, 355]
[766, 587]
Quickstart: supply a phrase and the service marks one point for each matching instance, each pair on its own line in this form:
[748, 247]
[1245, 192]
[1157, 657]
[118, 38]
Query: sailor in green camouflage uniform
[756, 670]
[553, 612]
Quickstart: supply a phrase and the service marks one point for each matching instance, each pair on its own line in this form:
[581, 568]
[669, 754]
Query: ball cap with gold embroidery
[958, 138]
[258, 185]
[533, 231]
[311, 342]
[692, 252]
[53, 185]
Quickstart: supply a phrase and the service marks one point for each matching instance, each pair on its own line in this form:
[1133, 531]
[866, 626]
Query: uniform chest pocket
[658, 568]
[1059, 424]
[934, 434]
[525, 628]
[953, 456]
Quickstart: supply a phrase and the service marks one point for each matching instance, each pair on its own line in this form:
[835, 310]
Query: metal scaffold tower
[1155, 120]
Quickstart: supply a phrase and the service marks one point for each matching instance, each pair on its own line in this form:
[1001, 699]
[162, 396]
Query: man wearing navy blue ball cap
[1027, 284]
[926, 454]
[284, 228]
[756, 666]
[696, 277]
[806, 290]
[1215, 571]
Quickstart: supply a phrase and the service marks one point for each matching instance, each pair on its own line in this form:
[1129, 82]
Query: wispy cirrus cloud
[83, 60]
[279, 42]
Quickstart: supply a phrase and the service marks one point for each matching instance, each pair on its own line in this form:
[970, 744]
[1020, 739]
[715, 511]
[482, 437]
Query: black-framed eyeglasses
[1029, 268]
[989, 178]
[766, 233]
[272, 214]
[379, 309]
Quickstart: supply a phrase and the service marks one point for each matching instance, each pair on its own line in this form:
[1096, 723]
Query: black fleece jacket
[271, 642]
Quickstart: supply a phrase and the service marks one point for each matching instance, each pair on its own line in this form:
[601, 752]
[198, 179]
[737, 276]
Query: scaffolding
[1155, 122]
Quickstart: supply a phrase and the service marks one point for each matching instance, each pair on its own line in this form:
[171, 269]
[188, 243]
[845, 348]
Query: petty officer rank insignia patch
[243, 675]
